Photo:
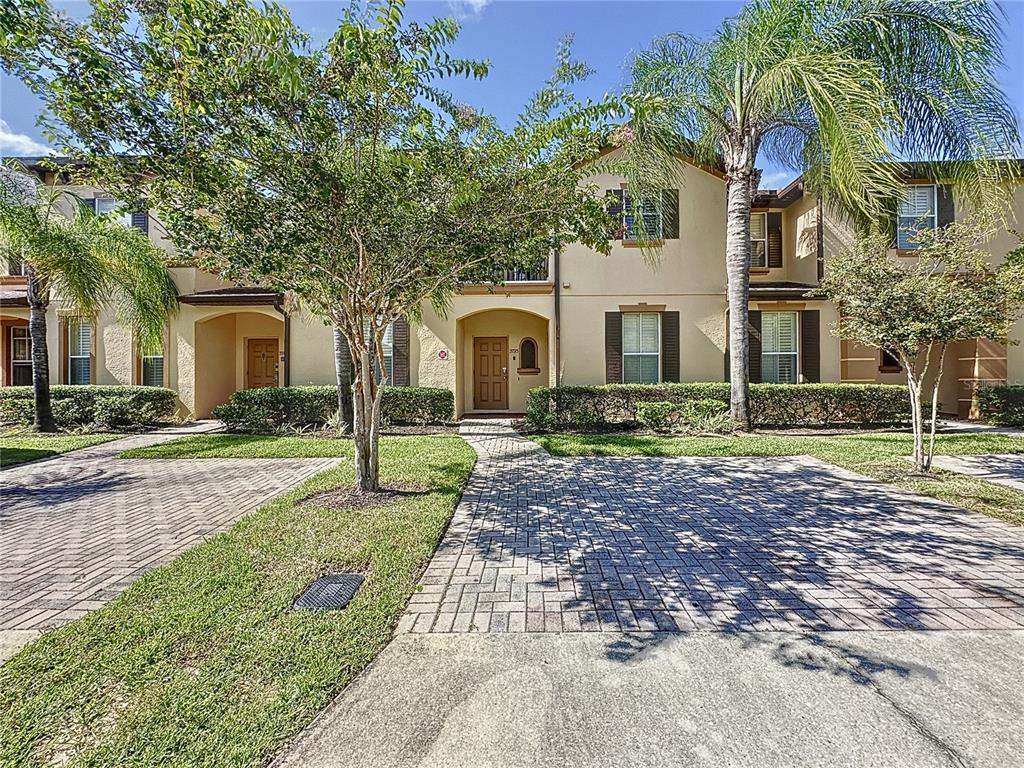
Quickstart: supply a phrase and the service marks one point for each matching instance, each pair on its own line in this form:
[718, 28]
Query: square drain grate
[329, 593]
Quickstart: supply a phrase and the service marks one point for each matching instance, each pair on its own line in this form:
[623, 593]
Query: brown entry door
[261, 363]
[490, 373]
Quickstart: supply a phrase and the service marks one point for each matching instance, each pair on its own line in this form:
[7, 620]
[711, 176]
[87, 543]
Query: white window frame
[795, 354]
[761, 263]
[916, 223]
[628, 233]
[656, 353]
[83, 322]
[124, 217]
[15, 266]
[17, 362]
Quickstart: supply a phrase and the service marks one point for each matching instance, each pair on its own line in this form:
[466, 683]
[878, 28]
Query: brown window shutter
[774, 240]
[670, 346]
[62, 349]
[810, 345]
[754, 334]
[945, 210]
[613, 347]
[670, 214]
[615, 213]
[140, 220]
[400, 353]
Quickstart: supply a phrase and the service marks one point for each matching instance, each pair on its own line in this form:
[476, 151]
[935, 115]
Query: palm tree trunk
[343, 374]
[38, 300]
[737, 266]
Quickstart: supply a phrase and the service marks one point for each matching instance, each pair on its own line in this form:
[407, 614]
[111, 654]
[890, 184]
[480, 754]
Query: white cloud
[467, 8]
[775, 179]
[12, 143]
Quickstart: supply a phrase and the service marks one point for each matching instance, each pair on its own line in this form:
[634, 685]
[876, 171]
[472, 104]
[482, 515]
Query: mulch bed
[350, 497]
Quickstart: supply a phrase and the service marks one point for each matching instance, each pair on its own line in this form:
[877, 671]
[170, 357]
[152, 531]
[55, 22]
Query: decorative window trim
[640, 353]
[759, 263]
[918, 222]
[529, 370]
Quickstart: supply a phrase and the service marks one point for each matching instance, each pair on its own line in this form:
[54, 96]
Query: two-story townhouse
[583, 318]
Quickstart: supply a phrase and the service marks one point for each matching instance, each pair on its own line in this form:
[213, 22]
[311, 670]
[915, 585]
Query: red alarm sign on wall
[442, 354]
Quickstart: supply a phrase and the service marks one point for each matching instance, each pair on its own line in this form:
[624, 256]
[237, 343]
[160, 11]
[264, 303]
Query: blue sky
[519, 37]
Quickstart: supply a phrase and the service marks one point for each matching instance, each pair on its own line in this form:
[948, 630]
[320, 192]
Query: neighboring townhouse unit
[582, 318]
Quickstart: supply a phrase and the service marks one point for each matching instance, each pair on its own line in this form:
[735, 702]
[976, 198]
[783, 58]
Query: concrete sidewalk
[689, 699]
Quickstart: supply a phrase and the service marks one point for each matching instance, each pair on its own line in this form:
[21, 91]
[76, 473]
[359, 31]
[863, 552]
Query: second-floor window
[108, 206]
[641, 347]
[779, 347]
[759, 240]
[79, 350]
[15, 266]
[641, 219]
[21, 356]
[917, 211]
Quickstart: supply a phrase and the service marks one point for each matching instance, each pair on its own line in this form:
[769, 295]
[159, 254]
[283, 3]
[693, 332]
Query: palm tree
[835, 89]
[88, 261]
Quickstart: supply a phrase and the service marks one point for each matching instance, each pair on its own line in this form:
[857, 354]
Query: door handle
[504, 374]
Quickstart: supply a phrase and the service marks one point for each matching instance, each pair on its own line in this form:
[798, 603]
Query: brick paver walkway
[560, 545]
[79, 528]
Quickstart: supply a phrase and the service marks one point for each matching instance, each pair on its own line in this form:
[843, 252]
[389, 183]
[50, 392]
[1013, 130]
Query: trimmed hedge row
[270, 409]
[772, 405]
[108, 407]
[1002, 405]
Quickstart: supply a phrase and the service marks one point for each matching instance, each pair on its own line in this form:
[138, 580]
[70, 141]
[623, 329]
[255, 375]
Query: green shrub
[1002, 405]
[273, 409]
[689, 416]
[113, 407]
[771, 405]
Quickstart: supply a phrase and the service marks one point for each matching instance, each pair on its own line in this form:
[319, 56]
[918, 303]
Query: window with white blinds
[759, 239]
[388, 346]
[779, 347]
[641, 347]
[79, 350]
[108, 206]
[917, 211]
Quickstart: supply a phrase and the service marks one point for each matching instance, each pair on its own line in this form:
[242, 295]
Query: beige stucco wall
[215, 364]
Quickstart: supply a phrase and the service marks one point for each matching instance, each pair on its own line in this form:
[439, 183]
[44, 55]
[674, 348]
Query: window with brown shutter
[810, 346]
[670, 346]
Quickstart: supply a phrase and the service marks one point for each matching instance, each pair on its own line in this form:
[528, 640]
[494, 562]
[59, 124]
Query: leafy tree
[344, 173]
[915, 308]
[86, 260]
[832, 89]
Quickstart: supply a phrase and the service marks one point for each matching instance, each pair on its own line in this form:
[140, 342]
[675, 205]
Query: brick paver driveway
[559, 545]
[77, 529]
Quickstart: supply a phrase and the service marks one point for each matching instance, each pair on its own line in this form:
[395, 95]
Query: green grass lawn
[202, 662]
[223, 446]
[20, 445]
[878, 455]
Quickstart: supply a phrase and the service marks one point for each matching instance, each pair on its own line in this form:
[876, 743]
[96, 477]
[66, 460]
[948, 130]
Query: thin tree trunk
[343, 377]
[366, 396]
[914, 383]
[737, 265]
[935, 410]
[38, 295]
